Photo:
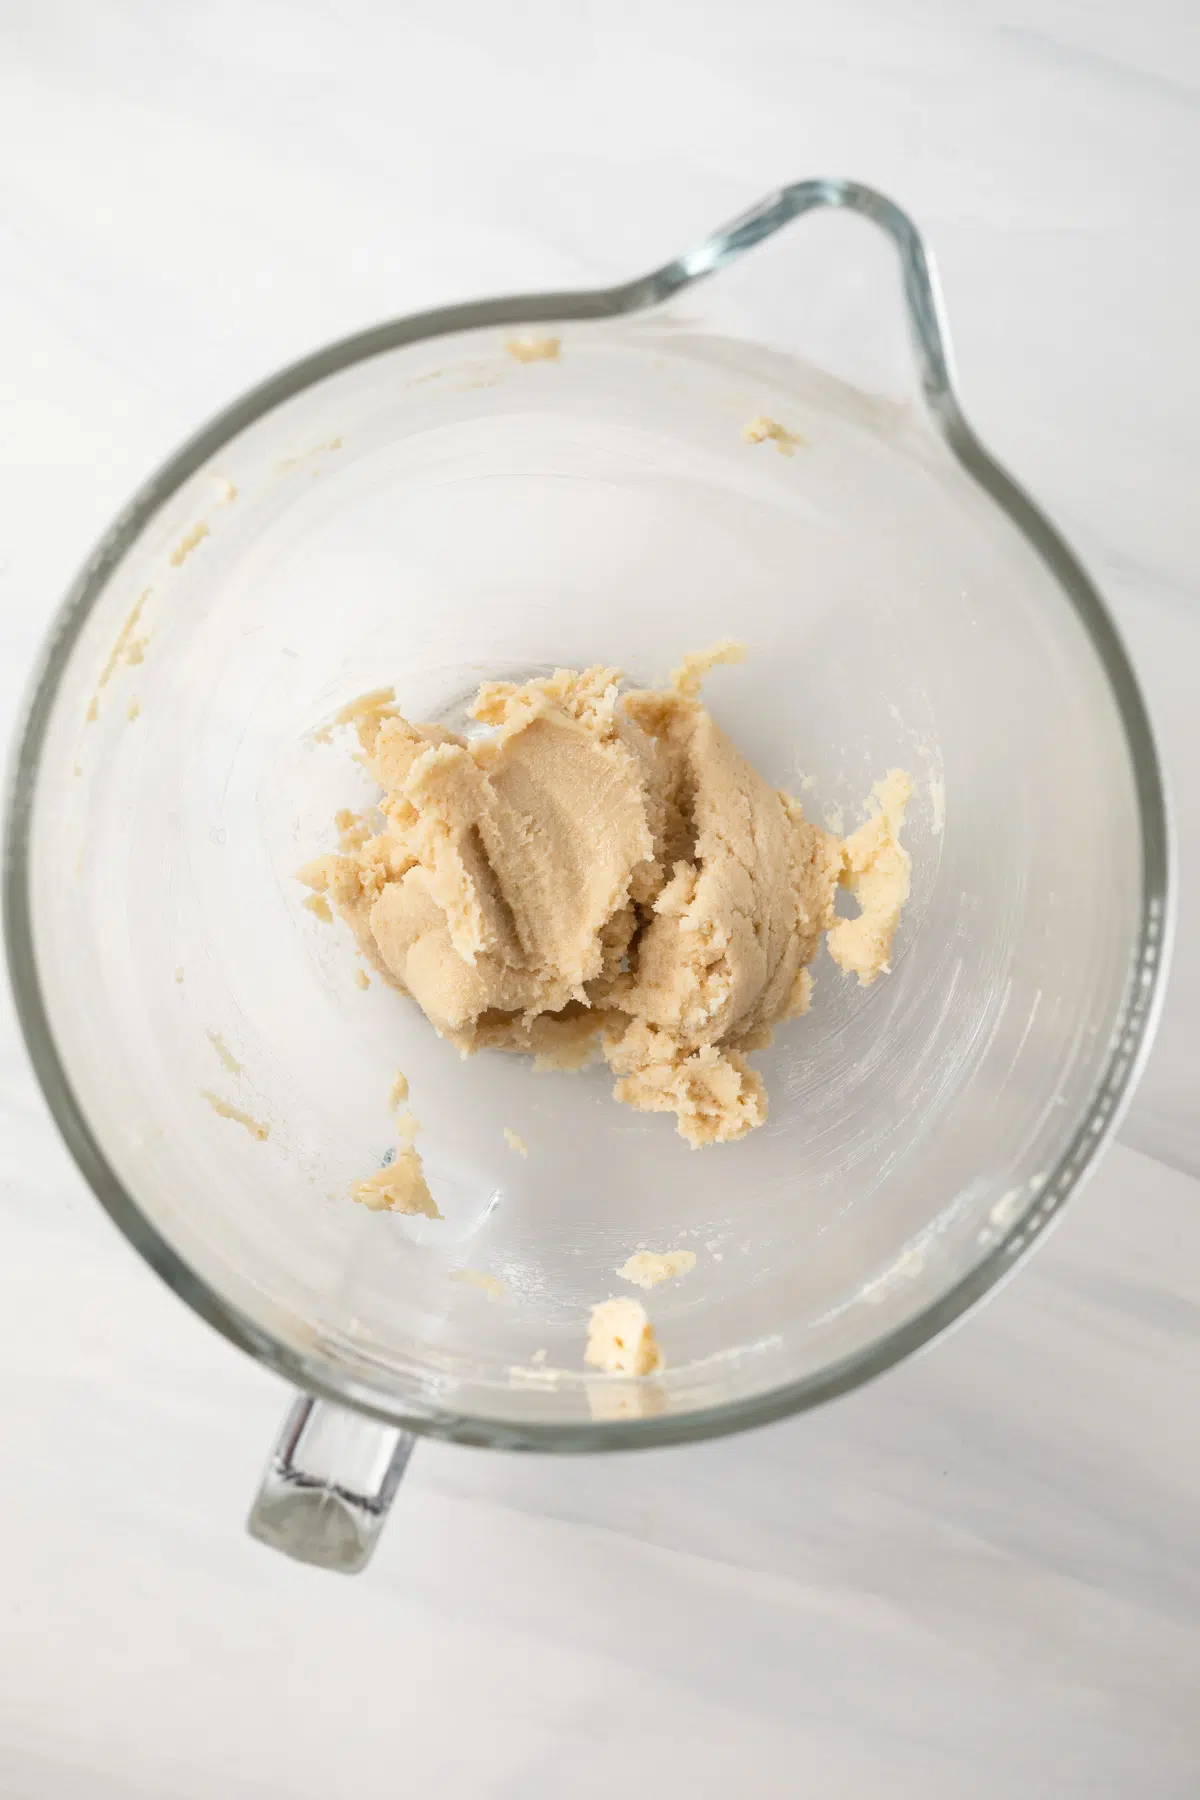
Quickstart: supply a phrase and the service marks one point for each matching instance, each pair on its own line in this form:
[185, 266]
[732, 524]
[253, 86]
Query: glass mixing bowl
[454, 497]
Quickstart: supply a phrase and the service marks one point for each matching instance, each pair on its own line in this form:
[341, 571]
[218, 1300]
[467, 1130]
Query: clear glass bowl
[419, 506]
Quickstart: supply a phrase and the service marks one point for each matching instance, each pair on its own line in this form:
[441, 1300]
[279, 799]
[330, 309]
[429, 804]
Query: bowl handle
[329, 1484]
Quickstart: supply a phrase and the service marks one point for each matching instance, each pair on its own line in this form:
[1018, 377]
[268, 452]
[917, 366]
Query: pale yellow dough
[533, 349]
[226, 1110]
[605, 872]
[762, 430]
[646, 1268]
[401, 1186]
[487, 1284]
[621, 1339]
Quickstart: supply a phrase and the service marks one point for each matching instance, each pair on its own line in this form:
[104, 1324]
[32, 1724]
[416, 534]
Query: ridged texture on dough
[605, 873]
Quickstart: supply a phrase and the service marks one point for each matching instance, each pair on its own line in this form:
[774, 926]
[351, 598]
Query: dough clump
[603, 872]
[400, 1186]
[621, 1339]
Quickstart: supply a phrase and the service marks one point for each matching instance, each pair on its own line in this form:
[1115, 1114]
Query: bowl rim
[1149, 953]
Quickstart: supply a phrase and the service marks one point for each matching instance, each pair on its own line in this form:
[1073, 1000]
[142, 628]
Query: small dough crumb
[761, 430]
[401, 1186]
[625, 1399]
[318, 905]
[179, 974]
[361, 977]
[646, 1268]
[228, 1060]
[621, 1339]
[188, 543]
[399, 1092]
[877, 871]
[127, 648]
[487, 1284]
[133, 709]
[226, 1111]
[534, 349]
[514, 1142]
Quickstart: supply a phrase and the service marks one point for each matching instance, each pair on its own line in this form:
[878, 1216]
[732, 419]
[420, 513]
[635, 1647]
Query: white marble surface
[982, 1575]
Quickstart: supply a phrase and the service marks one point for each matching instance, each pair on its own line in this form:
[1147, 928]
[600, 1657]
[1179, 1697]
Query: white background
[981, 1576]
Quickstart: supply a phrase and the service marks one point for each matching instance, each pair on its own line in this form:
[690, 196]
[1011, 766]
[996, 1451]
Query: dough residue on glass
[400, 1186]
[646, 1268]
[937, 805]
[621, 1339]
[625, 1399]
[292, 462]
[229, 1061]
[602, 872]
[129, 649]
[875, 869]
[533, 349]
[188, 542]
[226, 1110]
[476, 1278]
[762, 430]
[514, 1142]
